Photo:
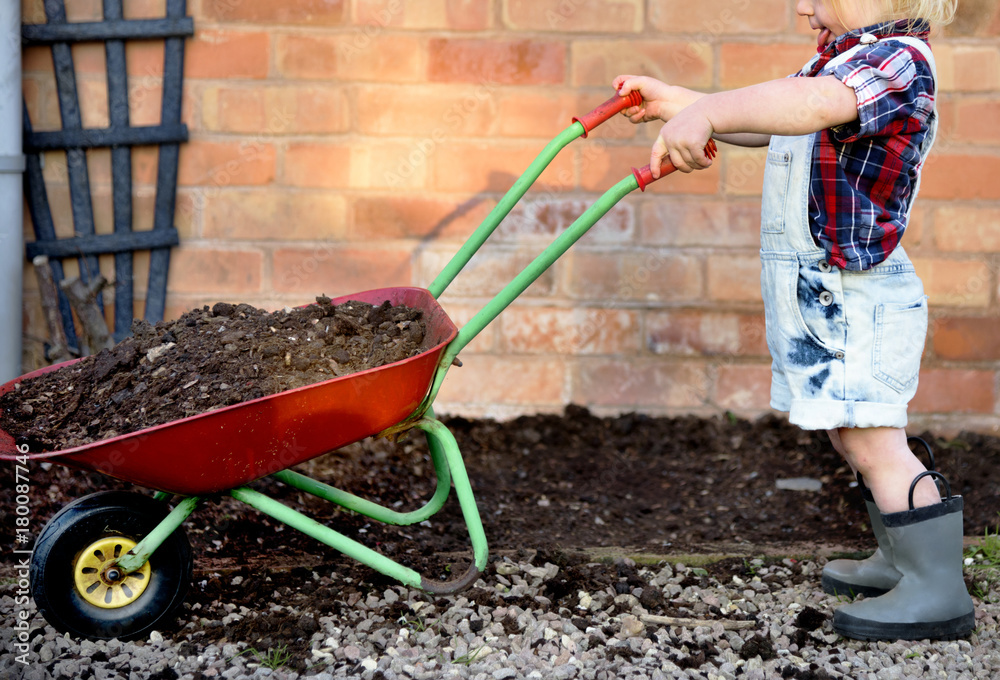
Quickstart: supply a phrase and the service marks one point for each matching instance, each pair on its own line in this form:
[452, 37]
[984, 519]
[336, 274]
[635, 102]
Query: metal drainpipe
[11, 195]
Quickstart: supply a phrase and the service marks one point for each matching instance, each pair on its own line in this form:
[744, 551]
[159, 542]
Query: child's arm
[788, 106]
[663, 102]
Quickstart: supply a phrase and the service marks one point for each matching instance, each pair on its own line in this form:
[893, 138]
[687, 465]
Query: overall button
[826, 298]
[825, 267]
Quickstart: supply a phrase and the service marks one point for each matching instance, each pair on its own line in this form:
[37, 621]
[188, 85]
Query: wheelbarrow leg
[447, 459]
[139, 555]
[374, 510]
[438, 434]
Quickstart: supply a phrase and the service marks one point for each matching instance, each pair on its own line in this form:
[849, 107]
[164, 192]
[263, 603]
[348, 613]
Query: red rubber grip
[644, 175]
[609, 108]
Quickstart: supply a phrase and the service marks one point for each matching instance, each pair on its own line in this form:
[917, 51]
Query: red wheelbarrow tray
[230, 446]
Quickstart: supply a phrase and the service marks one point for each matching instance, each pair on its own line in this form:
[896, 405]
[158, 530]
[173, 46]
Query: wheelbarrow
[117, 564]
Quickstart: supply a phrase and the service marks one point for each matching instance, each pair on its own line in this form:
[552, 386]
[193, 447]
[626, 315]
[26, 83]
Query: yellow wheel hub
[98, 578]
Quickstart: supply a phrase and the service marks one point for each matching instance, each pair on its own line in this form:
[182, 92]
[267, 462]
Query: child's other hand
[682, 140]
[652, 91]
[660, 101]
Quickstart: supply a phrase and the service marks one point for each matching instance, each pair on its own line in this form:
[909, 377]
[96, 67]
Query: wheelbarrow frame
[445, 455]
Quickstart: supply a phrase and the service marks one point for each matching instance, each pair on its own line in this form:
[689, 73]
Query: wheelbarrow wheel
[72, 575]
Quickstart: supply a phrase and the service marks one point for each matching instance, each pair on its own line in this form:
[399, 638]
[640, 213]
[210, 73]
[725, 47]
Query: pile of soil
[206, 359]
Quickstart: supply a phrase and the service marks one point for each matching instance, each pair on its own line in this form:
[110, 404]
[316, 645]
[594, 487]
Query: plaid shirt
[864, 172]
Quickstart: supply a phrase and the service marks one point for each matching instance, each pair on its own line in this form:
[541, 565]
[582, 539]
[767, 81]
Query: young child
[846, 314]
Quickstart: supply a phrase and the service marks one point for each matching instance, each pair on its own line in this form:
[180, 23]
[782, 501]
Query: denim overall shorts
[845, 345]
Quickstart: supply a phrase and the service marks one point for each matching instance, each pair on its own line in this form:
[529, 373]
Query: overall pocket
[900, 332]
[776, 174]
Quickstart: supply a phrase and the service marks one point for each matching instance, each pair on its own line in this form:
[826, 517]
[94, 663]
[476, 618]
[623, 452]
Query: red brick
[954, 391]
[917, 228]
[470, 167]
[233, 109]
[745, 64]
[144, 58]
[325, 166]
[743, 387]
[977, 121]
[93, 96]
[144, 166]
[743, 173]
[304, 109]
[606, 16]
[578, 331]
[145, 100]
[967, 338]
[705, 333]
[486, 340]
[487, 273]
[968, 68]
[528, 382]
[224, 164]
[436, 111]
[398, 166]
[530, 113]
[647, 275]
[699, 222]
[217, 53]
[969, 229]
[306, 12]
[333, 269]
[505, 62]
[354, 56]
[734, 278]
[710, 20]
[40, 99]
[459, 15]
[214, 271]
[956, 283]
[961, 177]
[639, 383]
[597, 62]
[274, 214]
[408, 216]
[144, 9]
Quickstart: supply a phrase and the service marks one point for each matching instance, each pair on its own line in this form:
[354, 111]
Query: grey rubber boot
[871, 576]
[930, 600]
[874, 575]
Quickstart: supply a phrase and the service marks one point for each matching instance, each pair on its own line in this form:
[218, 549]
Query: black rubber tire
[76, 526]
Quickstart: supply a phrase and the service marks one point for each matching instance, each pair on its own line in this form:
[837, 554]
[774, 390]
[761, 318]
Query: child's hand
[660, 101]
[683, 139]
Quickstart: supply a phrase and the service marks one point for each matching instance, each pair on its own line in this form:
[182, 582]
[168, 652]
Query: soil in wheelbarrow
[206, 359]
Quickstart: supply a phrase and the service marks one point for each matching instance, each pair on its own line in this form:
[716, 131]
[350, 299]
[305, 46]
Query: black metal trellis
[86, 244]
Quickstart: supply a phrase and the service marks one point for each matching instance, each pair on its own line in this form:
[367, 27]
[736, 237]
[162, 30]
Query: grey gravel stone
[521, 633]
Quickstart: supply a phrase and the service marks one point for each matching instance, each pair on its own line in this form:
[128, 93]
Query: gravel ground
[507, 626]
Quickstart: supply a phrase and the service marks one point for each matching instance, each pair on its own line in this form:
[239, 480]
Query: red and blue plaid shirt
[865, 172]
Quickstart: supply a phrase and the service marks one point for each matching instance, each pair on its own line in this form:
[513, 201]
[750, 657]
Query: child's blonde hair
[937, 12]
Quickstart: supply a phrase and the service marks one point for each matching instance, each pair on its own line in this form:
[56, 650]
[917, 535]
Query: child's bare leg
[887, 466]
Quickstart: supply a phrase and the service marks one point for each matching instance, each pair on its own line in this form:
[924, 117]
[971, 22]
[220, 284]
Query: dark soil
[548, 487]
[206, 359]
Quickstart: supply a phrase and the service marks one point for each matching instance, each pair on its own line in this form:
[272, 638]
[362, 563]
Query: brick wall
[343, 145]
